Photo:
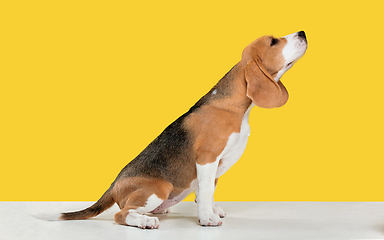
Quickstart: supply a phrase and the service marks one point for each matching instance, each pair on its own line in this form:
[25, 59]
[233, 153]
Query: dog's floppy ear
[262, 89]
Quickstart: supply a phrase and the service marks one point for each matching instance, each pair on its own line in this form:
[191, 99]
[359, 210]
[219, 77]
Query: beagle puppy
[201, 145]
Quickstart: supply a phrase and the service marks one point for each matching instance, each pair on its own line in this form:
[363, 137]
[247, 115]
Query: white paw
[142, 221]
[219, 211]
[164, 211]
[210, 219]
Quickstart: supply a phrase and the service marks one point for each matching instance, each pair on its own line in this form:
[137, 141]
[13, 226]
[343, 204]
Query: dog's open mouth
[289, 64]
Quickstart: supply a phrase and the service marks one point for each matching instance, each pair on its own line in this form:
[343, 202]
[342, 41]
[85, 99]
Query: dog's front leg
[206, 175]
[216, 209]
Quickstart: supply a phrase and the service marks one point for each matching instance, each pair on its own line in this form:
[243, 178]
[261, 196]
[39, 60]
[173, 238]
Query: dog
[201, 145]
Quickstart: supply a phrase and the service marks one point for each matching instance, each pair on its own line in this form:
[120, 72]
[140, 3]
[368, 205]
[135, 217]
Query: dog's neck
[230, 93]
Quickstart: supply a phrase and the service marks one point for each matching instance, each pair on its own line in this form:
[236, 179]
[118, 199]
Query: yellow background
[86, 85]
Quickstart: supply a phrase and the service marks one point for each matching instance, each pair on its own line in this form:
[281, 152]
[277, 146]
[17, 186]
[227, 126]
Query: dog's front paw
[210, 219]
[219, 211]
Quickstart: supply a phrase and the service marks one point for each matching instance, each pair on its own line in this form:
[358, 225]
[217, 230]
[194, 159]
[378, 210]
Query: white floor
[244, 220]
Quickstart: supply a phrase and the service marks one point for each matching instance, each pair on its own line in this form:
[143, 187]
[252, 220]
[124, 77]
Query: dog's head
[267, 59]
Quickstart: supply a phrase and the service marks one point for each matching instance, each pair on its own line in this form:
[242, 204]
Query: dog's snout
[301, 34]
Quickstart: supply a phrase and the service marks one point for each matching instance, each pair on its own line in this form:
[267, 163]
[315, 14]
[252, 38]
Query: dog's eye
[274, 41]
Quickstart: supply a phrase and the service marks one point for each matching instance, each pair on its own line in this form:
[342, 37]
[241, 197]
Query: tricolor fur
[201, 145]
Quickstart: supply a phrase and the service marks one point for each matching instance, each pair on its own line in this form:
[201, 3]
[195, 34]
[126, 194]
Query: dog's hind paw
[164, 211]
[142, 221]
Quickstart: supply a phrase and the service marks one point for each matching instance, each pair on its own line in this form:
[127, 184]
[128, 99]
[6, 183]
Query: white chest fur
[235, 146]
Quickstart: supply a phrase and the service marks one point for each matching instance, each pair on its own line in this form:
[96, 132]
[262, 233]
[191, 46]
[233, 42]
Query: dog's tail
[106, 201]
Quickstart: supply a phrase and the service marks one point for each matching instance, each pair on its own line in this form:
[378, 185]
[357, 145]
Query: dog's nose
[301, 34]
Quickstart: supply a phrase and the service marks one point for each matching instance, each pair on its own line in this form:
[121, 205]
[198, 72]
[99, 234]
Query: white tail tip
[48, 216]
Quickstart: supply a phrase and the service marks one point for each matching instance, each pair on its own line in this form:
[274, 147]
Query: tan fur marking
[212, 128]
[271, 57]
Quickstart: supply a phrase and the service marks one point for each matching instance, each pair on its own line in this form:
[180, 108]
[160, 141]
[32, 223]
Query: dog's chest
[235, 146]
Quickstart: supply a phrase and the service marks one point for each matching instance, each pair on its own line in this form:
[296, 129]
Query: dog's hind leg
[138, 204]
[148, 196]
